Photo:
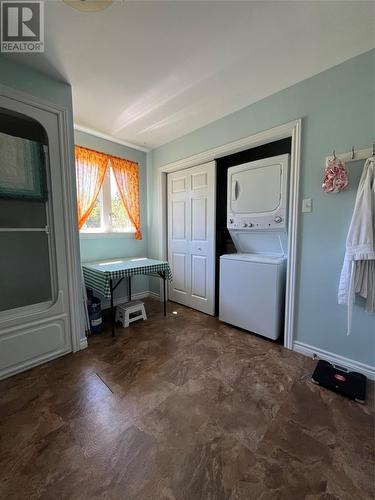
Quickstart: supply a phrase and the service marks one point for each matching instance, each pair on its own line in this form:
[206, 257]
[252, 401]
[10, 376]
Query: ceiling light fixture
[89, 5]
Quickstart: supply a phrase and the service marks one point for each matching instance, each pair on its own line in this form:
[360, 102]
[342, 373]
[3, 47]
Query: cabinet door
[34, 291]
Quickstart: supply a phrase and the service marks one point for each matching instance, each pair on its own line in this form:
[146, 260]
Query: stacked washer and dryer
[252, 281]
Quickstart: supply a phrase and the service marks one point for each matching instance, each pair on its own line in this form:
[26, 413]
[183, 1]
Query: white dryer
[258, 195]
[252, 281]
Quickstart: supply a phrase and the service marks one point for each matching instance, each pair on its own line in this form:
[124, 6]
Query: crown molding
[108, 137]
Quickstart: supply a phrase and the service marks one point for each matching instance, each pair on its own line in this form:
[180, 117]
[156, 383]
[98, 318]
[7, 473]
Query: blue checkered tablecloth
[98, 274]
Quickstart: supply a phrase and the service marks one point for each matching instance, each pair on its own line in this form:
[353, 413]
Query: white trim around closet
[69, 206]
[291, 129]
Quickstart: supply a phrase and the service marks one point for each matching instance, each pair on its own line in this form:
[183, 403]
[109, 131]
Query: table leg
[112, 311]
[130, 288]
[164, 294]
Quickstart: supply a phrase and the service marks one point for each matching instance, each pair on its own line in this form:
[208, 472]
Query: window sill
[105, 236]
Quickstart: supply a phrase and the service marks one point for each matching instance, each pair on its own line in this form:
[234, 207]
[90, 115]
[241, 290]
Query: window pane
[24, 269]
[120, 219]
[94, 220]
[22, 213]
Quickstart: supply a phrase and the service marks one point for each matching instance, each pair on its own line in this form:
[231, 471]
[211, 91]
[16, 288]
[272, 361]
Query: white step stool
[123, 312]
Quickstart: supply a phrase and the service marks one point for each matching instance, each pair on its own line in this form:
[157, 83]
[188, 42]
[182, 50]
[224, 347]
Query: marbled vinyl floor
[181, 408]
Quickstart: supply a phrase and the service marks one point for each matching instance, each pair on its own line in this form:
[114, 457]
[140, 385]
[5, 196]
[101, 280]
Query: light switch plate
[307, 205]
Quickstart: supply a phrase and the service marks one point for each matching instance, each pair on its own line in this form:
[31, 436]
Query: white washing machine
[252, 292]
[252, 281]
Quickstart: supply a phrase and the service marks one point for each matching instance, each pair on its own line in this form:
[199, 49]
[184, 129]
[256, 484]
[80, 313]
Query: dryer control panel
[257, 223]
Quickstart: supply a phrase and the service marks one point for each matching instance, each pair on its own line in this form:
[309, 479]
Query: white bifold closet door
[191, 236]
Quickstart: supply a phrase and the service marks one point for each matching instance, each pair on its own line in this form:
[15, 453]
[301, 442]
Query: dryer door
[256, 190]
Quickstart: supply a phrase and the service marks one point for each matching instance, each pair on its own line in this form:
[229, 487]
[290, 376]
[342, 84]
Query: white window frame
[106, 212]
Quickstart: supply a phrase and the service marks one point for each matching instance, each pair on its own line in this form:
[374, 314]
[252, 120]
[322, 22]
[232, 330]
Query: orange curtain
[127, 179]
[91, 167]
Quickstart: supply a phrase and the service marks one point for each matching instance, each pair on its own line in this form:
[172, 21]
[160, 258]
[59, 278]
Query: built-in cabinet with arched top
[35, 260]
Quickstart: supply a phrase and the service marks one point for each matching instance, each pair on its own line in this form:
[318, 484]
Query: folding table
[102, 275]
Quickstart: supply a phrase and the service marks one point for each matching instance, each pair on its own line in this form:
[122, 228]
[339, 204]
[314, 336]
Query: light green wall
[337, 108]
[24, 79]
[115, 246]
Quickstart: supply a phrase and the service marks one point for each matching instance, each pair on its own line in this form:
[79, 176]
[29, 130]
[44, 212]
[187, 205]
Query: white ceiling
[149, 72]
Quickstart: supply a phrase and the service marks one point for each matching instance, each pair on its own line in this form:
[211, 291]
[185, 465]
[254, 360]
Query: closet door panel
[191, 236]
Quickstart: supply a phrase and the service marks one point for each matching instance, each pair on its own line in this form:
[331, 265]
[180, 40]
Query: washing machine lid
[253, 257]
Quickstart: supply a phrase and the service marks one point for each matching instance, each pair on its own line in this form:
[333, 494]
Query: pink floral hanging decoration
[335, 176]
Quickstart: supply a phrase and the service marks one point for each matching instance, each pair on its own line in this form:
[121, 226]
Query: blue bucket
[95, 315]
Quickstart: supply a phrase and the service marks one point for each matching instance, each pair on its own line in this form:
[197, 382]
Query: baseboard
[314, 352]
[135, 296]
[83, 344]
[125, 298]
[154, 295]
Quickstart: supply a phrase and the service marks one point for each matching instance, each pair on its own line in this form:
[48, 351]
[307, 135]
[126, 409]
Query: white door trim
[290, 129]
[70, 205]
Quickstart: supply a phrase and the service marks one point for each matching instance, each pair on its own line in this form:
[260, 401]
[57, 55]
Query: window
[108, 214]
[107, 193]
